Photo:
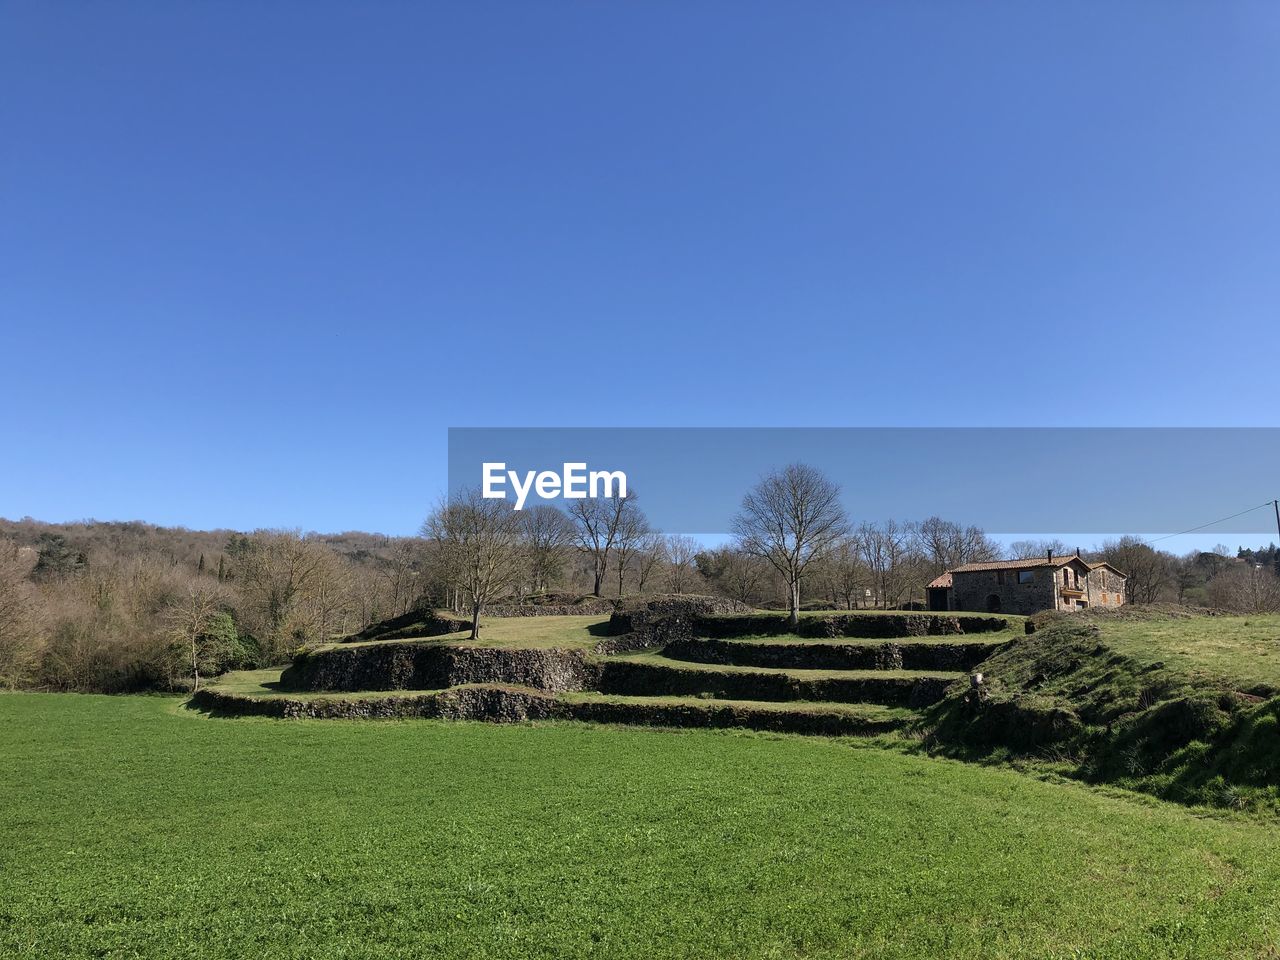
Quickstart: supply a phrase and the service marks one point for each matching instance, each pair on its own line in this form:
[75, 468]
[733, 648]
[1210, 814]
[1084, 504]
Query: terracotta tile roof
[1016, 564]
[942, 581]
[1103, 563]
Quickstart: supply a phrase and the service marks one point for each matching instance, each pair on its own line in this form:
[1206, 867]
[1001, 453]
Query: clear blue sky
[256, 258]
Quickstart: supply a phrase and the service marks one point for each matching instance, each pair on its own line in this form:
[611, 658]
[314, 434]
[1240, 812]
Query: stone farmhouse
[1027, 586]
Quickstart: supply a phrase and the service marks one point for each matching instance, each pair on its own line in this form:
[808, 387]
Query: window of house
[1026, 576]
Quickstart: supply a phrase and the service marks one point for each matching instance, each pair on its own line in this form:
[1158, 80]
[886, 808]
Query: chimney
[1050, 556]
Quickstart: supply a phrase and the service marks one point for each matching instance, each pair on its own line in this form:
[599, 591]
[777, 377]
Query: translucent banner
[1005, 480]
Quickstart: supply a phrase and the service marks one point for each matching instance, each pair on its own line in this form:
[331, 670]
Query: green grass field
[136, 828]
[1241, 649]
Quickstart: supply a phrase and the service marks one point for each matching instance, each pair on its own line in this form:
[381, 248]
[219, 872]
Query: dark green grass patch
[133, 828]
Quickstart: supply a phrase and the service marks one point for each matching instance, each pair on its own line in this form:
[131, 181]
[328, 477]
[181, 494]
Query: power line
[1212, 522]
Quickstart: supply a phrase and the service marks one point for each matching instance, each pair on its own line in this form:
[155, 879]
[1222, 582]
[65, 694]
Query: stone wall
[425, 666]
[636, 678]
[496, 704]
[720, 715]
[507, 705]
[591, 607]
[969, 591]
[853, 624]
[834, 656]
[551, 670]
[659, 620]
[1103, 581]
[417, 623]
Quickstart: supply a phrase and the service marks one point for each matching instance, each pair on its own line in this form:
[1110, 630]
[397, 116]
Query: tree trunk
[794, 598]
[475, 621]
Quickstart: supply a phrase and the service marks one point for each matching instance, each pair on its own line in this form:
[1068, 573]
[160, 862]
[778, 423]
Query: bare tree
[886, 550]
[18, 638]
[327, 607]
[1187, 575]
[190, 616]
[650, 555]
[1214, 561]
[738, 575]
[276, 569]
[790, 518]
[681, 555]
[1149, 571]
[1246, 589]
[401, 575]
[598, 520]
[943, 544]
[633, 529]
[479, 539]
[847, 575]
[547, 534]
[370, 596]
[1030, 549]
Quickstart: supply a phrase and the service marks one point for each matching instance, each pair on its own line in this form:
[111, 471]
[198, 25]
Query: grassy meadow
[1244, 650]
[136, 828]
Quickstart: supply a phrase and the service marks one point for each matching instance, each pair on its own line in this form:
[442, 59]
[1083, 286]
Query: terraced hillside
[666, 662]
[1180, 705]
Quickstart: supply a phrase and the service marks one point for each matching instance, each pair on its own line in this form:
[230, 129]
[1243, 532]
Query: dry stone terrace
[666, 661]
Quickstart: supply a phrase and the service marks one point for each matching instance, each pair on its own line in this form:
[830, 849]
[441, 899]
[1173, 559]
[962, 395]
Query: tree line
[131, 606]
[793, 545]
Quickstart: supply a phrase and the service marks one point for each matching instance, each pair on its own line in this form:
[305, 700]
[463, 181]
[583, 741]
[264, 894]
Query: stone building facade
[1028, 586]
[1107, 585]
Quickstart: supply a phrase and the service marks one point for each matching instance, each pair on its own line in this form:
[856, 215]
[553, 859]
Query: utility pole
[1276, 504]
